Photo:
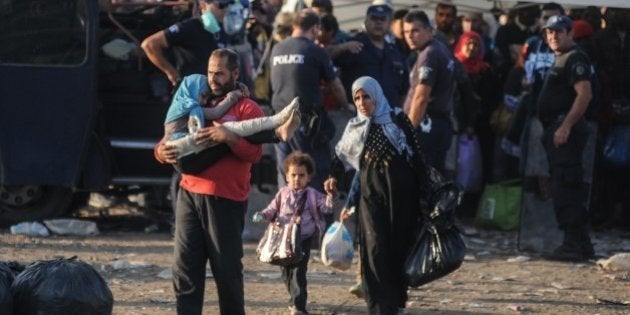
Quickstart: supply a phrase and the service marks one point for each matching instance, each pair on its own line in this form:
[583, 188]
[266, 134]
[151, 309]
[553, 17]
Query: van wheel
[31, 203]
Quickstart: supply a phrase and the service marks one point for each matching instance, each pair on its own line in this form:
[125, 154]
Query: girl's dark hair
[299, 158]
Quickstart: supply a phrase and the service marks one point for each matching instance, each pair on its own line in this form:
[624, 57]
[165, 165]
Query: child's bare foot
[287, 129]
[285, 114]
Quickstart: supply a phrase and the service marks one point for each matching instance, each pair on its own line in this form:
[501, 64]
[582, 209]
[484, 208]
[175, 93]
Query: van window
[43, 32]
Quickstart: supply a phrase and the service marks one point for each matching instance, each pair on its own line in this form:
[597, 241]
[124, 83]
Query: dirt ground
[494, 279]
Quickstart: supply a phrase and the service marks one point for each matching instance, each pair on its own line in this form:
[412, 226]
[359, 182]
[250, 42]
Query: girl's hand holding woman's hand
[258, 217]
[330, 186]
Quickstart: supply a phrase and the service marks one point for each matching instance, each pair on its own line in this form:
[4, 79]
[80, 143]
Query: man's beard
[224, 88]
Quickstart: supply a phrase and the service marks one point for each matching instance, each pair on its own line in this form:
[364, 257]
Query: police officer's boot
[570, 250]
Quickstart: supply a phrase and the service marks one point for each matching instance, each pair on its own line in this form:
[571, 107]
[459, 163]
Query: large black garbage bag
[8, 271]
[440, 247]
[445, 199]
[438, 251]
[61, 287]
[6, 279]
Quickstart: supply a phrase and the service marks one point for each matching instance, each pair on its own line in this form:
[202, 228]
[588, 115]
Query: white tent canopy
[351, 13]
[585, 3]
[465, 5]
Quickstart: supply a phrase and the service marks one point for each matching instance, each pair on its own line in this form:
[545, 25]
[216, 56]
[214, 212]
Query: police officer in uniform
[563, 100]
[429, 102]
[298, 66]
[190, 42]
[378, 58]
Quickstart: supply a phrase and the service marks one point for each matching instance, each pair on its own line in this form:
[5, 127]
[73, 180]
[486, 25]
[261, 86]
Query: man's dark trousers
[208, 228]
[568, 188]
[436, 143]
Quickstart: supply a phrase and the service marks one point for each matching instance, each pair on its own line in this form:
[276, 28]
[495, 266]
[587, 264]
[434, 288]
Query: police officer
[429, 102]
[563, 100]
[538, 56]
[190, 42]
[298, 66]
[378, 58]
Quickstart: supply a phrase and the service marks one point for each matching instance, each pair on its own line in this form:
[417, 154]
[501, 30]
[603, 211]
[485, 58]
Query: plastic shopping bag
[617, 146]
[337, 248]
[500, 205]
[469, 168]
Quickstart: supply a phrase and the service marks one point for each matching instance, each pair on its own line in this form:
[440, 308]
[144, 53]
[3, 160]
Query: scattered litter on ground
[270, 275]
[516, 308]
[531, 294]
[71, 227]
[469, 257]
[162, 300]
[617, 262]
[123, 264]
[166, 274]
[33, 228]
[610, 302]
[560, 286]
[476, 305]
[548, 290]
[502, 279]
[520, 258]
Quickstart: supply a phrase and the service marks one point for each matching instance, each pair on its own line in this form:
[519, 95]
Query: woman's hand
[346, 213]
[330, 185]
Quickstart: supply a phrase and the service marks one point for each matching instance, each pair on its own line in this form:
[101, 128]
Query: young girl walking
[299, 168]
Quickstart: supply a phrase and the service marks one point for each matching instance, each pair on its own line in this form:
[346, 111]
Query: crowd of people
[416, 85]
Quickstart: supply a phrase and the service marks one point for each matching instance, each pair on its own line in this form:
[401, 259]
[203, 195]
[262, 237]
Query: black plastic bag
[445, 199]
[61, 287]
[438, 251]
[440, 247]
[7, 275]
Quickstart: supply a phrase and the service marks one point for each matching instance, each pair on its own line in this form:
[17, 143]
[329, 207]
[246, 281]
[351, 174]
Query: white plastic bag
[71, 227]
[33, 228]
[337, 248]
